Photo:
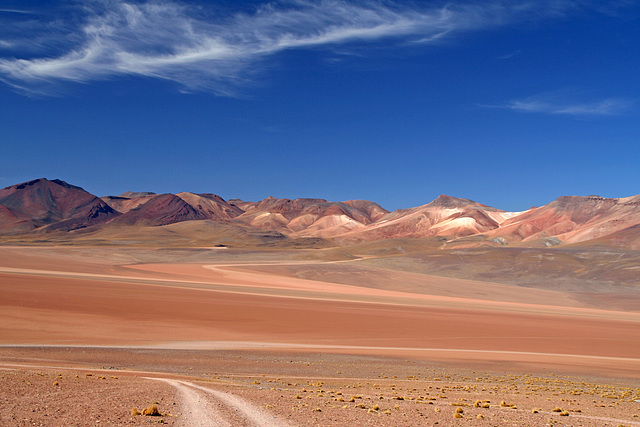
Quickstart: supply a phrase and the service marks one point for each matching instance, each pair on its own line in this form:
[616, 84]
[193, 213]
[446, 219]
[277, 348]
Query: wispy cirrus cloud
[15, 11]
[204, 49]
[564, 103]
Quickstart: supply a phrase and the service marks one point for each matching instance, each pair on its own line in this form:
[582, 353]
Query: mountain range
[53, 209]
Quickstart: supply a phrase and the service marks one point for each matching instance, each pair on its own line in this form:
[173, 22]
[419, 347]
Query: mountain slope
[54, 204]
[310, 217]
[211, 205]
[124, 204]
[445, 216]
[161, 209]
[572, 219]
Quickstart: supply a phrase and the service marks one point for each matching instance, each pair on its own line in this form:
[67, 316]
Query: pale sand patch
[511, 298]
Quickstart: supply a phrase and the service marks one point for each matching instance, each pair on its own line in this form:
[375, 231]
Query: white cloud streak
[15, 11]
[204, 51]
[563, 105]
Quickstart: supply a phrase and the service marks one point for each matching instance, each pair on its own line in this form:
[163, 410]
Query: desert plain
[356, 335]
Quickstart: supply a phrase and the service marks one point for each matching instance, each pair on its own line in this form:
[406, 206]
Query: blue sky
[509, 103]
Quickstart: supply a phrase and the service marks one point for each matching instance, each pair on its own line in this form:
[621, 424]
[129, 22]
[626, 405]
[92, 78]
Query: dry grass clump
[134, 411]
[482, 404]
[151, 410]
[564, 413]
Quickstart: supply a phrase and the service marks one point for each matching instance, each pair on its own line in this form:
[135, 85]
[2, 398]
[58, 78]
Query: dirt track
[202, 412]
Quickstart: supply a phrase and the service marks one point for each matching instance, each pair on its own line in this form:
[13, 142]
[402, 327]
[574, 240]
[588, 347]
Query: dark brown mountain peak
[42, 202]
[40, 182]
[444, 201]
[211, 205]
[571, 202]
[286, 207]
[373, 210]
[46, 201]
[582, 208]
[212, 196]
[134, 194]
[161, 209]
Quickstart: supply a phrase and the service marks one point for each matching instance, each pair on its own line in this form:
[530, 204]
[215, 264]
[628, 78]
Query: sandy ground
[243, 388]
[220, 338]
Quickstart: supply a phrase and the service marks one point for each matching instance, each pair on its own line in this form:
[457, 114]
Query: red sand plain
[101, 300]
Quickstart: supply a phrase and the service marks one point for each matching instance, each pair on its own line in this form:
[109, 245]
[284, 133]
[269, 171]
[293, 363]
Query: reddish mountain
[211, 205]
[445, 216]
[572, 219]
[162, 209]
[54, 204]
[289, 209]
[309, 217]
[124, 204]
[148, 208]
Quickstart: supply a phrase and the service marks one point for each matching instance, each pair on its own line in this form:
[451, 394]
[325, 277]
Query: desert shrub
[151, 410]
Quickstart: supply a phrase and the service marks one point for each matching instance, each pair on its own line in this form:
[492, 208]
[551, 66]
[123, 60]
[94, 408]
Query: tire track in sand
[201, 410]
